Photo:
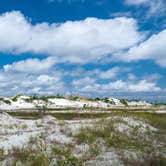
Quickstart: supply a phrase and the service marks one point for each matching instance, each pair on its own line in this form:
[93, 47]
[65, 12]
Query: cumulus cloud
[131, 76]
[41, 84]
[153, 77]
[31, 65]
[154, 48]
[122, 86]
[53, 82]
[97, 73]
[111, 73]
[83, 81]
[94, 85]
[87, 41]
[83, 41]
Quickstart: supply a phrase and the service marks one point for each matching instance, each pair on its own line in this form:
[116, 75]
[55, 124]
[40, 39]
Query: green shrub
[106, 100]
[2, 154]
[5, 101]
[124, 101]
[15, 98]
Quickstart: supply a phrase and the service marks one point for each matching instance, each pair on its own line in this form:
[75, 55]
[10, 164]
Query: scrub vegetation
[118, 138]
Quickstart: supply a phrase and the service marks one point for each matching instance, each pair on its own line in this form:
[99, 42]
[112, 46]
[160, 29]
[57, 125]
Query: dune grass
[102, 134]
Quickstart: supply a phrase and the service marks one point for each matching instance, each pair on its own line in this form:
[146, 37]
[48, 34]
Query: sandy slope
[22, 103]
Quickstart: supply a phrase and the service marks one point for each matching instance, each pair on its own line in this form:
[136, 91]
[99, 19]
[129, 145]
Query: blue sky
[83, 47]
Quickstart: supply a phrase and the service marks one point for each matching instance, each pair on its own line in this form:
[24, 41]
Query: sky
[83, 47]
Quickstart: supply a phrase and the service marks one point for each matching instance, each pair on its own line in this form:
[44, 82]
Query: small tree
[124, 101]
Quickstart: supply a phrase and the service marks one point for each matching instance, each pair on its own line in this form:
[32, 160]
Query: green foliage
[15, 98]
[32, 140]
[59, 96]
[20, 154]
[29, 100]
[105, 130]
[97, 99]
[112, 102]
[40, 159]
[90, 99]
[106, 100]
[74, 98]
[2, 154]
[84, 106]
[150, 158]
[70, 161]
[95, 150]
[85, 136]
[124, 101]
[89, 135]
[29, 156]
[34, 97]
[59, 151]
[64, 156]
[5, 101]
[102, 134]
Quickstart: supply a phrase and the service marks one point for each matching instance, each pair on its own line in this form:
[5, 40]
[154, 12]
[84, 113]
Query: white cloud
[83, 41]
[46, 79]
[153, 77]
[121, 86]
[136, 2]
[121, 14]
[111, 73]
[51, 83]
[87, 41]
[143, 86]
[156, 7]
[31, 65]
[154, 48]
[94, 86]
[97, 73]
[131, 76]
[41, 84]
[83, 81]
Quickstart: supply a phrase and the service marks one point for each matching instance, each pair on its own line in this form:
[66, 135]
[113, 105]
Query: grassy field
[158, 120]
